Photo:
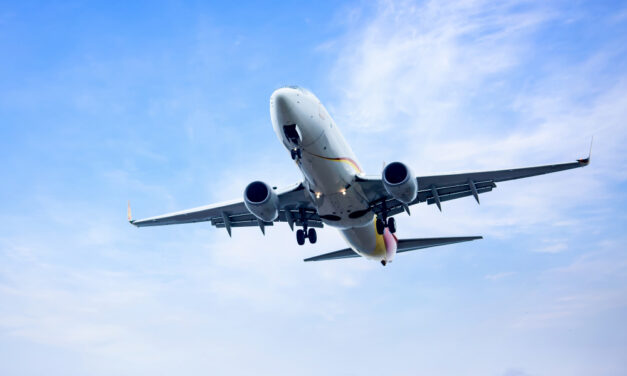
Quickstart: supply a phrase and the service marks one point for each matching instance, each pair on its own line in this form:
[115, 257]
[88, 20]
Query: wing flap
[458, 194]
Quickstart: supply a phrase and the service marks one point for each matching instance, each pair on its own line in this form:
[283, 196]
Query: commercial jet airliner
[336, 192]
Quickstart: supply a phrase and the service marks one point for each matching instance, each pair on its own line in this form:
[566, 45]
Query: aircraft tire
[380, 226]
[312, 235]
[300, 237]
[392, 225]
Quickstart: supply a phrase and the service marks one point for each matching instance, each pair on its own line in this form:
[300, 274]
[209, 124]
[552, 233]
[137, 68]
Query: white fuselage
[329, 169]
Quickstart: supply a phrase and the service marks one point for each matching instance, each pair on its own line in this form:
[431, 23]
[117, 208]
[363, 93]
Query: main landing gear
[296, 154]
[310, 234]
[381, 224]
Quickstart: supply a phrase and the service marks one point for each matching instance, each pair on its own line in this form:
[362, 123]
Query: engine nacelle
[400, 182]
[261, 201]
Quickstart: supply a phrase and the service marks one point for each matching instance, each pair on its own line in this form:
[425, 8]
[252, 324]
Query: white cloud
[553, 248]
[497, 276]
[442, 85]
[439, 86]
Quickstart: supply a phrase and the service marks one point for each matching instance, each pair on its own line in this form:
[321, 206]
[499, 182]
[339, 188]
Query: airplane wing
[404, 245]
[439, 188]
[295, 207]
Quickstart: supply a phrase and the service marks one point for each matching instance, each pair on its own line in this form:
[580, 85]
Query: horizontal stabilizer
[404, 245]
[343, 253]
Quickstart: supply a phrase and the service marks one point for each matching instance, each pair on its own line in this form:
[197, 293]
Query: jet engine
[400, 182]
[261, 201]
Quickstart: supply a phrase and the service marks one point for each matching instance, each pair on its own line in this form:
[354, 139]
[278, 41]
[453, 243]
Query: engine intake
[261, 201]
[400, 182]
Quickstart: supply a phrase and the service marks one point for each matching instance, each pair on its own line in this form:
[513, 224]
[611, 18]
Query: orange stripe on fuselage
[349, 161]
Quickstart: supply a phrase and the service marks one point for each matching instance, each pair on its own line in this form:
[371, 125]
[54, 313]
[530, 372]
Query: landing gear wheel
[311, 234]
[392, 225]
[296, 154]
[380, 226]
[300, 237]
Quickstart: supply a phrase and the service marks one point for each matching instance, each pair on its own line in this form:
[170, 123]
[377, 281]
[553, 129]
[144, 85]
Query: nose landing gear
[296, 154]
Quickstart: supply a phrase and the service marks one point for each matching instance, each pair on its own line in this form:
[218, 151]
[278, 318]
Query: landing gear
[392, 225]
[296, 154]
[383, 222]
[303, 234]
[384, 262]
[311, 234]
[300, 237]
[380, 225]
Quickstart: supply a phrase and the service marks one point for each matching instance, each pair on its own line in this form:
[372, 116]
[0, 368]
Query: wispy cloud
[497, 276]
[460, 85]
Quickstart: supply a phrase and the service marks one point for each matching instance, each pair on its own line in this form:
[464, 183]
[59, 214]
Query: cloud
[553, 248]
[497, 276]
[444, 86]
[457, 86]
[515, 372]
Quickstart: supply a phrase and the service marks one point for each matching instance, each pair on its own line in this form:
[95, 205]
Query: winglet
[128, 213]
[586, 161]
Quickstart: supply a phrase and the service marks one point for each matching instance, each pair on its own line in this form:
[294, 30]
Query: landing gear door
[292, 134]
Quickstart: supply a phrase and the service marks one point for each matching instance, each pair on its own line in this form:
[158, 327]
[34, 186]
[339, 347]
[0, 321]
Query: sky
[166, 104]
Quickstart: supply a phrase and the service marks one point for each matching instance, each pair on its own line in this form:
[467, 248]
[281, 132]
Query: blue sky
[167, 105]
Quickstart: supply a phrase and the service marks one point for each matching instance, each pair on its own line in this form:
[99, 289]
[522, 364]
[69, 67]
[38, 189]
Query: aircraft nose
[282, 104]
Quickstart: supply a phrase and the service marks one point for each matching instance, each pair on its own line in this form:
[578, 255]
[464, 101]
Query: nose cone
[282, 103]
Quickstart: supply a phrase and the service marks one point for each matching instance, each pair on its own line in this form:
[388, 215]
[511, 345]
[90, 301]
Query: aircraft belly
[336, 209]
[331, 182]
[325, 176]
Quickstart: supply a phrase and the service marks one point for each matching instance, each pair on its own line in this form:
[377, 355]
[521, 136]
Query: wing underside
[440, 188]
[295, 209]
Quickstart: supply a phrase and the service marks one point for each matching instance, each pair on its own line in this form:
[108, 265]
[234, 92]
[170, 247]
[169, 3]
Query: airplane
[336, 192]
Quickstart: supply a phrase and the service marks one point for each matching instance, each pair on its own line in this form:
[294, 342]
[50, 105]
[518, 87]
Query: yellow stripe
[380, 242]
[349, 161]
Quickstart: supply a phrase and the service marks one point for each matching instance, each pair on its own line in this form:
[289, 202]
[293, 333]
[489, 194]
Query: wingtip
[128, 213]
[586, 161]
